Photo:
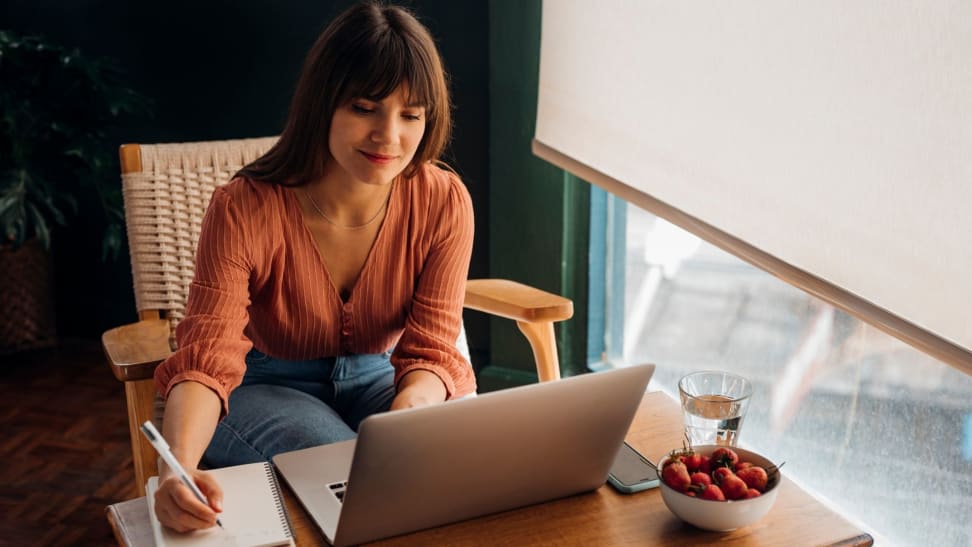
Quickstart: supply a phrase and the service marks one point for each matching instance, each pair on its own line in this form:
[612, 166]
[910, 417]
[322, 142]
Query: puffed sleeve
[428, 341]
[211, 344]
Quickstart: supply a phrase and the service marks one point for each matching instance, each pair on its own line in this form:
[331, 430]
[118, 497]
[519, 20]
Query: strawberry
[676, 475]
[700, 479]
[742, 465]
[713, 492]
[752, 493]
[734, 488]
[755, 477]
[685, 455]
[724, 457]
[705, 466]
[693, 461]
[720, 474]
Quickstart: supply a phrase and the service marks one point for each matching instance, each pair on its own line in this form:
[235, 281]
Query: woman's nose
[384, 131]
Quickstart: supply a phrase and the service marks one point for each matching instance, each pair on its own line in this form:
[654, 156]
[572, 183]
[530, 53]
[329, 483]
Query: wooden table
[602, 517]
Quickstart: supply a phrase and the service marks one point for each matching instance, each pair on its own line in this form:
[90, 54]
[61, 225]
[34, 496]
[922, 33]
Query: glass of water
[714, 404]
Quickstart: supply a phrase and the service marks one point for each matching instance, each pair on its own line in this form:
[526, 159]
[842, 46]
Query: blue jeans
[288, 405]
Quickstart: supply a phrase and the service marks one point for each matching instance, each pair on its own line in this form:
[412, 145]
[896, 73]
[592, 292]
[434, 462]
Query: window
[876, 427]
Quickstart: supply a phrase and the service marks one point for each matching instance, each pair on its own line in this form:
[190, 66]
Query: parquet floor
[64, 452]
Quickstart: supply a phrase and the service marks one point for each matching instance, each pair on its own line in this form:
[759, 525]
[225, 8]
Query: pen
[162, 448]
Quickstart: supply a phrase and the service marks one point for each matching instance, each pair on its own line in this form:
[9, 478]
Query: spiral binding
[278, 500]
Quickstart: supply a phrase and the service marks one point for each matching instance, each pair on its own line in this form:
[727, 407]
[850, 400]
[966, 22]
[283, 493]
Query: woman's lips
[380, 159]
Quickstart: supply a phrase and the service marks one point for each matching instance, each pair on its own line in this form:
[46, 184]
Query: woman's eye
[361, 109]
[412, 117]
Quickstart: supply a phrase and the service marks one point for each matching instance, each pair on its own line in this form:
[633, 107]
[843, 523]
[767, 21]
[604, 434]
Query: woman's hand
[419, 388]
[177, 507]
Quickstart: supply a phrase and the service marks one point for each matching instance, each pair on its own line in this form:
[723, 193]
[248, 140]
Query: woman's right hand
[179, 509]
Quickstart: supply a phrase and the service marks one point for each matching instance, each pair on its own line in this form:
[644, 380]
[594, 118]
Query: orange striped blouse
[260, 281]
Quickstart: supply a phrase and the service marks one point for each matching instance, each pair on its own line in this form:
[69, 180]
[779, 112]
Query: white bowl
[723, 516]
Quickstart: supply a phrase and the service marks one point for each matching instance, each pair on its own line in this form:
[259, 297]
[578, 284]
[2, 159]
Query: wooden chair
[167, 188]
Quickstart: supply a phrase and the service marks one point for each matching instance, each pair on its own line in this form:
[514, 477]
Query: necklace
[354, 227]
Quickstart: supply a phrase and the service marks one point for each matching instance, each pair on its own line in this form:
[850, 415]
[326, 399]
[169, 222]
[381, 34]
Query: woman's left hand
[419, 388]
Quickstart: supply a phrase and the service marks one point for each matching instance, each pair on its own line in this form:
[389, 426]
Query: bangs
[384, 64]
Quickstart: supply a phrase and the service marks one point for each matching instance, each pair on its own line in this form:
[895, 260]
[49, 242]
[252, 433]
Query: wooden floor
[64, 448]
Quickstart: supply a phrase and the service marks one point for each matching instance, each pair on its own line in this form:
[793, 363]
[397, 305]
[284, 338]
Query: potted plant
[55, 166]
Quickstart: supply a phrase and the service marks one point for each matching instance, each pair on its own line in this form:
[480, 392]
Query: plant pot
[26, 298]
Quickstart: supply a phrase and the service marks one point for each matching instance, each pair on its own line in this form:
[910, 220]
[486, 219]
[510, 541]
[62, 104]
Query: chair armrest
[516, 301]
[135, 350]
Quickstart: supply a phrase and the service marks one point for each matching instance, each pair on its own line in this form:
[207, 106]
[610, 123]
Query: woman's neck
[347, 205]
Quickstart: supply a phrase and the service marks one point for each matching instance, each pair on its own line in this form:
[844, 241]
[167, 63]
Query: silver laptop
[423, 467]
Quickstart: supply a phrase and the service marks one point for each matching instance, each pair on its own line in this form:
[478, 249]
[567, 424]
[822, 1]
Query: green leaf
[52, 208]
[112, 242]
[40, 226]
[7, 203]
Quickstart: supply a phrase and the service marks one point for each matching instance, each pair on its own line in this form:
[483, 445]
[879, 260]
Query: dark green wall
[539, 214]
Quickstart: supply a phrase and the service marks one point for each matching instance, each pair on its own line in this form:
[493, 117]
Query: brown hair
[368, 51]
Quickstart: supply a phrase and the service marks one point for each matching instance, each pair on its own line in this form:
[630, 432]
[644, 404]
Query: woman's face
[374, 141]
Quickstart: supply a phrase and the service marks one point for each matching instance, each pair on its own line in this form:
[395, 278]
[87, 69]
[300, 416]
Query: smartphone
[631, 472]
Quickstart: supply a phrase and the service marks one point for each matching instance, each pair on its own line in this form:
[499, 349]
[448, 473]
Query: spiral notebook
[253, 511]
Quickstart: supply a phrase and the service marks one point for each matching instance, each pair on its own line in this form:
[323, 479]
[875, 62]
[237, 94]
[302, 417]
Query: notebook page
[253, 512]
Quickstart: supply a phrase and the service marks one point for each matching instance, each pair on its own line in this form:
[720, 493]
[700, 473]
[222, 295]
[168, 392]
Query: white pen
[162, 448]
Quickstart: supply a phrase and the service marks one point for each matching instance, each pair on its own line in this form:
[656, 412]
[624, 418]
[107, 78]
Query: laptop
[423, 467]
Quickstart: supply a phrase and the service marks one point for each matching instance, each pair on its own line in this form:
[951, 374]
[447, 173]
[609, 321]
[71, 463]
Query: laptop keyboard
[338, 489]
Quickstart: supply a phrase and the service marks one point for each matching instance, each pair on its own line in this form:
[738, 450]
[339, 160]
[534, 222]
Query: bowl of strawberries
[718, 488]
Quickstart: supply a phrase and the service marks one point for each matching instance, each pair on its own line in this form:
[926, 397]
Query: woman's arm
[197, 379]
[210, 337]
[419, 388]
[191, 413]
[428, 342]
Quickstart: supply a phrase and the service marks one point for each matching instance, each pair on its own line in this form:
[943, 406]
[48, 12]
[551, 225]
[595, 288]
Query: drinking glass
[714, 404]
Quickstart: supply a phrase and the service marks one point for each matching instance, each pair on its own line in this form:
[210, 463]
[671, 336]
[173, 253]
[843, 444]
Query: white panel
[835, 136]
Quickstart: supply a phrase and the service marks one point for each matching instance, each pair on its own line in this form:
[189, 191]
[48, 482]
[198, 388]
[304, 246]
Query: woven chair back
[165, 200]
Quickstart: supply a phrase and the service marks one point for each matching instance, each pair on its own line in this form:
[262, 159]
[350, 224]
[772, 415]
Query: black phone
[631, 472]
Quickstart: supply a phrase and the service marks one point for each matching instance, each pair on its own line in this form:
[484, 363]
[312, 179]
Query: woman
[330, 272]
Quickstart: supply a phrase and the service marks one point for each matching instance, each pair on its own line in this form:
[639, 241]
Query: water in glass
[713, 419]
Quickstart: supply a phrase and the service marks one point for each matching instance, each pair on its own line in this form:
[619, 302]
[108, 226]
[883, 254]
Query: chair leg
[544, 345]
[141, 395]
